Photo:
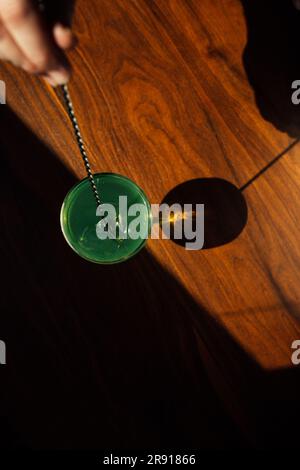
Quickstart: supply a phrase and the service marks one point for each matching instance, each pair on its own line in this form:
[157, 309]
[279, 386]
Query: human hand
[35, 40]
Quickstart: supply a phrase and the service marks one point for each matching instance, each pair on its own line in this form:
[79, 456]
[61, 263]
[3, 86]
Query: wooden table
[175, 347]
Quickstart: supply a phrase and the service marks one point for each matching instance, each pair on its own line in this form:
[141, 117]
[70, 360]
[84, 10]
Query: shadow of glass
[271, 60]
[225, 209]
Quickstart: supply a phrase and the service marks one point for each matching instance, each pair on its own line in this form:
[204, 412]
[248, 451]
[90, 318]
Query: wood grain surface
[190, 99]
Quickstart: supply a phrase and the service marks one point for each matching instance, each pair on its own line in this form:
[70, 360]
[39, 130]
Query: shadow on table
[271, 60]
[117, 356]
[98, 357]
[225, 209]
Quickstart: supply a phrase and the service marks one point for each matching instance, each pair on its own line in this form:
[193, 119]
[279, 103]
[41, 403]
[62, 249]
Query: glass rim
[81, 183]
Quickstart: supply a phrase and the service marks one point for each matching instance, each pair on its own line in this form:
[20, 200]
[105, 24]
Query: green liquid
[79, 219]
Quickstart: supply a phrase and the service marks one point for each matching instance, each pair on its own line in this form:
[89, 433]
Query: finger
[26, 28]
[9, 50]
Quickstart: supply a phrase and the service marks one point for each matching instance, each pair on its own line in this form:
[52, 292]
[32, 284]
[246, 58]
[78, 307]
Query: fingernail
[64, 36]
[59, 76]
